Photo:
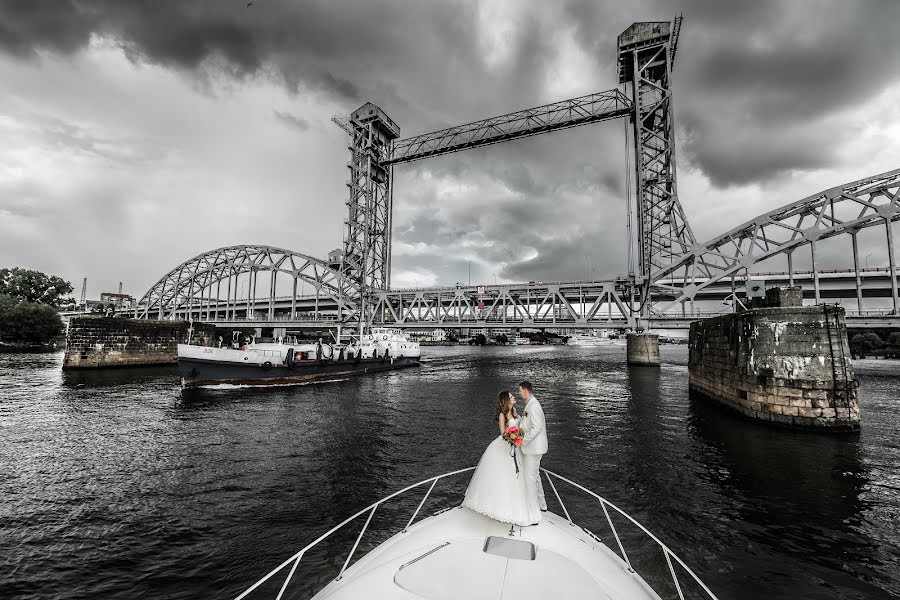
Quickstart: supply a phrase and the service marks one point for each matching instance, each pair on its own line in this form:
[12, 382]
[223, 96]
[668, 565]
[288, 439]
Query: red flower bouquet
[513, 436]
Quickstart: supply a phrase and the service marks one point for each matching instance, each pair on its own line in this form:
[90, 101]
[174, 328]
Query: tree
[478, 340]
[34, 286]
[866, 342]
[502, 339]
[894, 339]
[28, 322]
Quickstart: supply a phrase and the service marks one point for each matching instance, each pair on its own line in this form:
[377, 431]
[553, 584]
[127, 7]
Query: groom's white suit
[534, 446]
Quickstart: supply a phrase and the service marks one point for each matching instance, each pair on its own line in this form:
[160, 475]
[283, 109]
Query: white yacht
[521, 341]
[459, 554]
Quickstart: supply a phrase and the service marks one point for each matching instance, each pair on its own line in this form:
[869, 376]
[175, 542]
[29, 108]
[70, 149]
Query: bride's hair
[503, 406]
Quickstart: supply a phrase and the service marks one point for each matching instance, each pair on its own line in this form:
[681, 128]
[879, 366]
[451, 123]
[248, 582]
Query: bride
[496, 490]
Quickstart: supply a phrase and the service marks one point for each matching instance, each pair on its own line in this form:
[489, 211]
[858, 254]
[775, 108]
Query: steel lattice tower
[365, 263]
[646, 52]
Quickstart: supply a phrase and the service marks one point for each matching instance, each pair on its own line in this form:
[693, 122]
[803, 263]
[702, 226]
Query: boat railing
[293, 561]
[605, 505]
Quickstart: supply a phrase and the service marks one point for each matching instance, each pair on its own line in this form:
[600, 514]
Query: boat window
[507, 548]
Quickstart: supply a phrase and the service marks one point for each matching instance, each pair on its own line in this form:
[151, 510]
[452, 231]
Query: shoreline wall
[786, 365]
[109, 342]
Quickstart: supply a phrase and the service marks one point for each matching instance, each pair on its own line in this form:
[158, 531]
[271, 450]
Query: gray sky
[136, 135]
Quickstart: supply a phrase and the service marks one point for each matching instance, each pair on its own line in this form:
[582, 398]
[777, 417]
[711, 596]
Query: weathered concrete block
[98, 342]
[643, 349]
[792, 363]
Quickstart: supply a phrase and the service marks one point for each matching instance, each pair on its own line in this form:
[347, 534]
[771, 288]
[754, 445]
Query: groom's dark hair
[526, 385]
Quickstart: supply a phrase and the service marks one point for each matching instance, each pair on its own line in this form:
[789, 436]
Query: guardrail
[294, 561]
[667, 553]
[276, 318]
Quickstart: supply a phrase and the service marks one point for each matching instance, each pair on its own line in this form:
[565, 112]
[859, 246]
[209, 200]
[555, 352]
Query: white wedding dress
[497, 491]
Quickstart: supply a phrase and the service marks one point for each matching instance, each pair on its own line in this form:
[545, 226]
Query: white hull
[458, 553]
[443, 558]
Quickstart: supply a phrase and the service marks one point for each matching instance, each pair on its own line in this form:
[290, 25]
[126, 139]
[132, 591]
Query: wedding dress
[497, 491]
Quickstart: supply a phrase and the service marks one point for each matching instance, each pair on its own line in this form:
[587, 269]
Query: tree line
[875, 343]
[28, 306]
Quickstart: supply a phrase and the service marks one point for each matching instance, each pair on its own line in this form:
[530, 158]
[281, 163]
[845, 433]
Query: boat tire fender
[267, 365]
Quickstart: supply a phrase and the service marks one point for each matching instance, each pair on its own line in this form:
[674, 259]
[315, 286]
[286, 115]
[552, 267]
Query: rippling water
[114, 485]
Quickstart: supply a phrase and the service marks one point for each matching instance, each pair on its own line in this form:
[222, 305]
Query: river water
[115, 485]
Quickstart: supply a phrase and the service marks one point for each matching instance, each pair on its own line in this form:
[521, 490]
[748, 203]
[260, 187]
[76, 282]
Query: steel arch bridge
[194, 288]
[353, 289]
[196, 285]
[843, 210]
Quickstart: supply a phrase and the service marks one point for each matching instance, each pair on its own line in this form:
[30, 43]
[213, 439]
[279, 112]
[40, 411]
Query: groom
[534, 446]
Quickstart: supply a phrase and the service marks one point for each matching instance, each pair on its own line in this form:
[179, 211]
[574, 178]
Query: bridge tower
[646, 52]
[366, 259]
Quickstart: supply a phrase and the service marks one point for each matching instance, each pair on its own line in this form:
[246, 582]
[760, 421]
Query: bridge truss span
[208, 284]
[841, 210]
[592, 108]
[569, 304]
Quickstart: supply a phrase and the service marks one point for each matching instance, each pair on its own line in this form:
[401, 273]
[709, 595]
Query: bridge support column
[859, 302]
[786, 364]
[891, 265]
[815, 271]
[643, 349]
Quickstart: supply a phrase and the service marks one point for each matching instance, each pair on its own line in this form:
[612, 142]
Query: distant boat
[283, 363]
[587, 339]
[521, 341]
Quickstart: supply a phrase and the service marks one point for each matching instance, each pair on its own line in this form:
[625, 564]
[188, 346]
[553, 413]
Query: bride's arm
[501, 423]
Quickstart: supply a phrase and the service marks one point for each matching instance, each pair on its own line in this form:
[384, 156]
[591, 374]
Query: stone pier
[101, 342]
[788, 365]
[642, 349]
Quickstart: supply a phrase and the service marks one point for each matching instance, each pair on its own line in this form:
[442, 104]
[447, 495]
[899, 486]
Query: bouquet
[514, 437]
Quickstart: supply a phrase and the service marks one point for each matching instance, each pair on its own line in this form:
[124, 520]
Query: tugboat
[251, 363]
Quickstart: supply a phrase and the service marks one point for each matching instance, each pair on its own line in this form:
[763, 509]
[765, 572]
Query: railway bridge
[667, 272]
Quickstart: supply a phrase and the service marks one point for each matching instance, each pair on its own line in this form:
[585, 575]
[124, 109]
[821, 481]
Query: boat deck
[462, 554]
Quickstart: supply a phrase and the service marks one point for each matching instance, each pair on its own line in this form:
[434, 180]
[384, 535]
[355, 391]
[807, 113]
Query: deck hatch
[507, 548]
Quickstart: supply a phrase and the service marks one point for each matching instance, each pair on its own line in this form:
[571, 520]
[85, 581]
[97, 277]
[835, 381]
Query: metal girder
[196, 284]
[841, 210]
[589, 303]
[365, 262]
[646, 51]
[592, 108]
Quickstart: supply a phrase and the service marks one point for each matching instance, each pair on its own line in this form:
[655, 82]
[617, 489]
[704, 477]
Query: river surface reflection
[115, 485]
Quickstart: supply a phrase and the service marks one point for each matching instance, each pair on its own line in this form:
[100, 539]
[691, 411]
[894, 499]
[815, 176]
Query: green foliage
[866, 342]
[478, 340]
[34, 286]
[502, 339]
[27, 322]
[894, 339]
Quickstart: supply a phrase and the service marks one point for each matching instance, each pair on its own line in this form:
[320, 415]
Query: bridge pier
[786, 364]
[642, 349]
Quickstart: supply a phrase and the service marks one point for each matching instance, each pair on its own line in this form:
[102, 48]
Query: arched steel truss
[206, 286]
[841, 210]
[207, 283]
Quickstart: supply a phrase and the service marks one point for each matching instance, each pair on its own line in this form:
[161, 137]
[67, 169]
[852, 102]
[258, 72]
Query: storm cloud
[770, 101]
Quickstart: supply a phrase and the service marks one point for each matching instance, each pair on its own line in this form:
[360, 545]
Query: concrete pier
[643, 349]
[101, 342]
[788, 365]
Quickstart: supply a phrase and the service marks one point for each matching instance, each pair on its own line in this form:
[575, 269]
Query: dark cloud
[292, 120]
[757, 86]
